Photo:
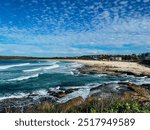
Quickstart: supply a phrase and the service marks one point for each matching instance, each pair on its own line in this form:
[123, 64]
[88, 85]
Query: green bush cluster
[129, 107]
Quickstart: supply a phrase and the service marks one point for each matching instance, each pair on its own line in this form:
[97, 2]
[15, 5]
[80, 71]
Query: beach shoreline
[112, 67]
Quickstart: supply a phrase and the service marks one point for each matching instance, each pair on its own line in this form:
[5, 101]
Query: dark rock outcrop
[62, 92]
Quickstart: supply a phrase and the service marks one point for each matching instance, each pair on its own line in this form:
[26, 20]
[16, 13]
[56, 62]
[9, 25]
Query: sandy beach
[113, 67]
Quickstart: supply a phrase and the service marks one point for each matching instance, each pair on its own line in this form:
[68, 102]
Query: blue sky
[74, 27]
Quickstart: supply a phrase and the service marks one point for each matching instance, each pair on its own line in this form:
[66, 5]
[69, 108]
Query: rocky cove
[100, 94]
[101, 98]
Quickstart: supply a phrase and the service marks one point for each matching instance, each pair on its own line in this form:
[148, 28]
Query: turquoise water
[21, 77]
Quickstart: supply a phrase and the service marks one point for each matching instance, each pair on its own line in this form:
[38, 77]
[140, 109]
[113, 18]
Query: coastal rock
[126, 91]
[108, 90]
[87, 69]
[136, 93]
[133, 96]
[45, 106]
[20, 105]
[30, 109]
[65, 107]
[92, 99]
[71, 90]
[138, 89]
[126, 72]
[33, 95]
[57, 94]
[96, 88]
[62, 92]
[146, 86]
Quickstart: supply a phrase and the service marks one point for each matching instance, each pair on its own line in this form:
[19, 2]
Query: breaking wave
[42, 68]
[24, 77]
[10, 66]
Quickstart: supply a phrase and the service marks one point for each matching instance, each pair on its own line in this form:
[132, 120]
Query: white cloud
[146, 1]
[135, 31]
[49, 35]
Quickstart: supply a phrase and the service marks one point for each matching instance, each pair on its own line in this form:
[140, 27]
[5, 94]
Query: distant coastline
[143, 58]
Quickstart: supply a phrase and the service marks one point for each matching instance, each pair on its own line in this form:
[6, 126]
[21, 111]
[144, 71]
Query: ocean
[19, 78]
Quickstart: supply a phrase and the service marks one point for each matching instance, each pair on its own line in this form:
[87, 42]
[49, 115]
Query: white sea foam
[10, 66]
[115, 82]
[56, 89]
[83, 91]
[141, 81]
[76, 65]
[32, 70]
[24, 77]
[72, 73]
[42, 68]
[51, 67]
[17, 95]
[41, 92]
[101, 75]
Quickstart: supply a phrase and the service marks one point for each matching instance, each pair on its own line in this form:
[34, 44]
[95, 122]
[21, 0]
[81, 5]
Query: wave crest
[42, 68]
[10, 66]
[24, 77]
